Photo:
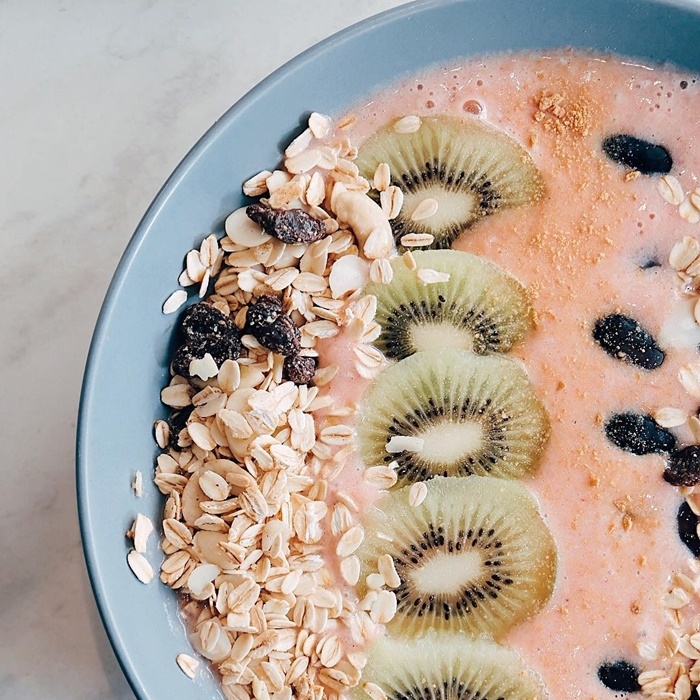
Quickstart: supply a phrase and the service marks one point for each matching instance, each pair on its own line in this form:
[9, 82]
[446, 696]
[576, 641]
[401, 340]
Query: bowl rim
[207, 140]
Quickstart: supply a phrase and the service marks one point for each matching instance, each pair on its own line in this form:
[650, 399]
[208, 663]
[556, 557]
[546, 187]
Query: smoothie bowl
[395, 391]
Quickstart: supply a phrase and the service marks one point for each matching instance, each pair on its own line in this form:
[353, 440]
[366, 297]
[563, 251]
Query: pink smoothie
[579, 253]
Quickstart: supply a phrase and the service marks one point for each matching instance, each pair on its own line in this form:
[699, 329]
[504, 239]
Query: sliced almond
[244, 231]
[348, 274]
[174, 301]
[140, 566]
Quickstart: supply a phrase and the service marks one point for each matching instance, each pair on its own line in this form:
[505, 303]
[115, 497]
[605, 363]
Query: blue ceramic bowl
[128, 361]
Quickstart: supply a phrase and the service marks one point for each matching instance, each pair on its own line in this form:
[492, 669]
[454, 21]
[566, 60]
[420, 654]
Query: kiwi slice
[448, 667]
[480, 308]
[450, 412]
[469, 167]
[475, 556]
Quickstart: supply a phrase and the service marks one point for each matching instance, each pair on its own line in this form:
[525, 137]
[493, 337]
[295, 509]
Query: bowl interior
[127, 365]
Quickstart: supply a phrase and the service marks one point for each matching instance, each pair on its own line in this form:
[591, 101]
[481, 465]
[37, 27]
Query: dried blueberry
[299, 369]
[687, 523]
[620, 676]
[227, 347]
[683, 467]
[287, 225]
[262, 313]
[625, 339]
[646, 157]
[206, 321]
[640, 435]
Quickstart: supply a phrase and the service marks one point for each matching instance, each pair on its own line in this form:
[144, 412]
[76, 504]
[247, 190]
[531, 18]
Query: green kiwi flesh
[480, 308]
[475, 556]
[464, 413]
[448, 667]
[470, 168]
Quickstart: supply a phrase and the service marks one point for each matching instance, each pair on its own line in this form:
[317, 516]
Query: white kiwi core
[426, 336]
[447, 442]
[447, 573]
[453, 207]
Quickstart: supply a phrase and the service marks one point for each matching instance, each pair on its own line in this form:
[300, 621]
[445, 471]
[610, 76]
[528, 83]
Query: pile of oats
[678, 655]
[251, 510]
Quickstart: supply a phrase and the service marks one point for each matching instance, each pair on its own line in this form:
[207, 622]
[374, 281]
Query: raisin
[683, 467]
[227, 347]
[646, 157]
[299, 369]
[287, 225]
[206, 321]
[263, 313]
[640, 435]
[620, 676]
[625, 339]
[281, 336]
[271, 328]
[687, 523]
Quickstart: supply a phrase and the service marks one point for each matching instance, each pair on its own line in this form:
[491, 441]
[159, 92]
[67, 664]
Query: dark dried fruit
[687, 523]
[206, 330]
[262, 313]
[271, 328]
[287, 225]
[623, 338]
[646, 157]
[299, 369]
[227, 347]
[640, 435]
[282, 336]
[620, 676]
[177, 422]
[206, 321]
[683, 467]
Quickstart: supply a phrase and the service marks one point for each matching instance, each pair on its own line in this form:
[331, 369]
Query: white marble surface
[99, 100]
